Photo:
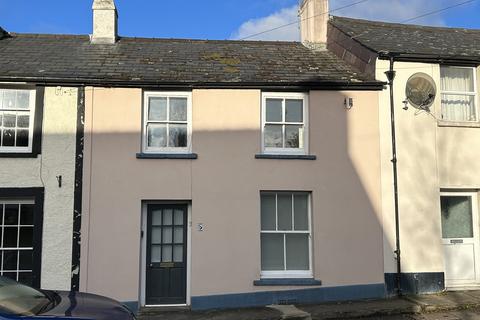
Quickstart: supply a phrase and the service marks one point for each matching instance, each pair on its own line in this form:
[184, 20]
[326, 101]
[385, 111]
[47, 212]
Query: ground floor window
[17, 240]
[285, 235]
[21, 219]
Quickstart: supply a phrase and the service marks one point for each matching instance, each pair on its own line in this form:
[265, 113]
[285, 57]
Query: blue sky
[214, 19]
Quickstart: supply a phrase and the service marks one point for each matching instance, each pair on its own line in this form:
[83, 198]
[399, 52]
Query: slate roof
[413, 40]
[140, 61]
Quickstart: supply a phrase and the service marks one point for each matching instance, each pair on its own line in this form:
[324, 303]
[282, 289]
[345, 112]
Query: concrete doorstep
[407, 305]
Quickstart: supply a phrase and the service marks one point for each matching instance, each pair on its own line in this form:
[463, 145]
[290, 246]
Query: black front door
[166, 274]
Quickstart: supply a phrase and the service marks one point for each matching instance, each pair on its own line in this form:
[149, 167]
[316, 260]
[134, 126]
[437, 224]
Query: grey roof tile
[171, 61]
[448, 43]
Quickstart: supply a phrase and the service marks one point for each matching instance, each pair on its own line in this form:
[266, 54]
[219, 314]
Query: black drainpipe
[391, 77]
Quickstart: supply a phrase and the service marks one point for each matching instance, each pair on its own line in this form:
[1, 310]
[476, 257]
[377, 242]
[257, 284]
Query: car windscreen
[19, 299]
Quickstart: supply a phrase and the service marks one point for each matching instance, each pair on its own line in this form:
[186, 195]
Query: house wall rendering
[223, 189]
[56, 158]
[433, 156]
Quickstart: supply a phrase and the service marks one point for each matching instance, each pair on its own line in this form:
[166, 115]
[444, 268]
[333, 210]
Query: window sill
[287, 282]
[188, 156]
[285, 156]
[443, 123]
[19, 155]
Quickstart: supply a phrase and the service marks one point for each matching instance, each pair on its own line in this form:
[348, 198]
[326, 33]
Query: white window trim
[18, 225]
[167, 94]
[286, 95]
[462, 93]
[292, 274]
[31, 125]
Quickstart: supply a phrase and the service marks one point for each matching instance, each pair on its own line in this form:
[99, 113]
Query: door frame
[476, 238]
[143, 251]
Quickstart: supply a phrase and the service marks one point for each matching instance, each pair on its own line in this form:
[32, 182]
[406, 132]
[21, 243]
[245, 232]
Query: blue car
[18, 301]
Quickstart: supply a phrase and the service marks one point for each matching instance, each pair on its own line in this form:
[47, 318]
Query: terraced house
[215, 174]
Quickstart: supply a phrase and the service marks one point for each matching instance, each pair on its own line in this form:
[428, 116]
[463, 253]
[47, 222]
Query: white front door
[460, 239]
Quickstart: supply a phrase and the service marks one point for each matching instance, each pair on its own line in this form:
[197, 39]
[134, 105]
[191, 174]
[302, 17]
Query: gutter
[279, 86]
[431, 58]
[391, 77]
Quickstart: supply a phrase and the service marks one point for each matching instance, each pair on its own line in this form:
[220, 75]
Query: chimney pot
[105, 18]
[314, 21]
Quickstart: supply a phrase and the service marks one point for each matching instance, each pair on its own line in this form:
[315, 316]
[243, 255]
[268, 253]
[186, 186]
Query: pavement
[464, 305]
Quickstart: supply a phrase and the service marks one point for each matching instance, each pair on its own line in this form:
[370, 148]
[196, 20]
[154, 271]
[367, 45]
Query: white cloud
[280, 18]
[383, 10]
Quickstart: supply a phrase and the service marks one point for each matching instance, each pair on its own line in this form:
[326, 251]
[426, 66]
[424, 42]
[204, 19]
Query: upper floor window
[284, 123]
[17, 110]
[459, 94]
[167, 124]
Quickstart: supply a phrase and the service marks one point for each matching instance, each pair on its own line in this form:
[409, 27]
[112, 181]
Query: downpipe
[391, 77]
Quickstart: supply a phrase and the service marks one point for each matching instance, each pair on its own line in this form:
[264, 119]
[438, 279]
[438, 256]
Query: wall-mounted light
[348, 103]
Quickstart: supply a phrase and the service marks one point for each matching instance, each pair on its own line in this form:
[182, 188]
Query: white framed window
[16, 239]
[286, 235]
[167, 124]
[459, 94]
[285, 123]
[17, 110]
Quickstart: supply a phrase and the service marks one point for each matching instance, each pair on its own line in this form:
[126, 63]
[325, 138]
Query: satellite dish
[421, 91]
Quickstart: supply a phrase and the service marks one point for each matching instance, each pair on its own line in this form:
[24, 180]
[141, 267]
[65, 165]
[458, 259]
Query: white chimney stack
[105, 17]
[314, 21]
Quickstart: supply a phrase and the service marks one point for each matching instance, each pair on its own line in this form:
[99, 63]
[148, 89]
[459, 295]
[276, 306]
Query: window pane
[294, 110]
[178, 235]
[167, 217]
[156, 235]
[178, 217]
[157, 218]
[178, 109]
[23, 99]
[457, 79]
[8, 138]
[9, 120]
[167, 235]
[458, 107]
[167, 253]
[456, 217]
[284, 211]
[26, 214]
[26, 260]
[10, 237]
[272, 252]
[293, 136]
[273, 136]
[25, 278]
[297, 252]
[10, 259]
[157, 109]
[157, 135]
[273, 110]
[26, 237]
[301, 211]
[155, 254]
[22, 138]
[178, 136]
[268, 211]
[178, 253]
[11, 275]
[23, 121]
[9, 99]
[1, 119]
[11, 214]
